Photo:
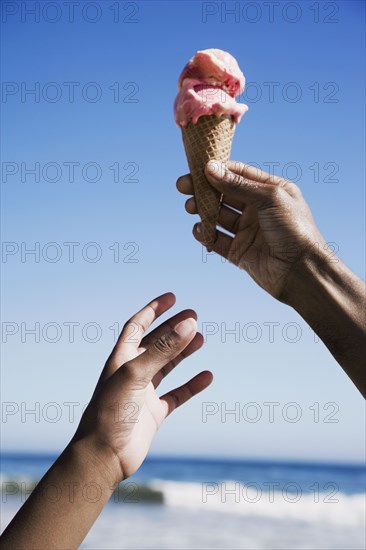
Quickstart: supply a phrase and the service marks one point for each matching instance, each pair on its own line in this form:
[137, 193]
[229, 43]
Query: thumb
[236, 186]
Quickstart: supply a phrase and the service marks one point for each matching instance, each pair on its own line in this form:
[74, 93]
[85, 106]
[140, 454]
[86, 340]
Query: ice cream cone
[210, 138]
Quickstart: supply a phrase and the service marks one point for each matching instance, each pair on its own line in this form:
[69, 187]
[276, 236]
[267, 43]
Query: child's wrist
[100, 459]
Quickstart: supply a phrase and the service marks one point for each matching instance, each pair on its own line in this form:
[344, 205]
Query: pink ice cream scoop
[208, 85]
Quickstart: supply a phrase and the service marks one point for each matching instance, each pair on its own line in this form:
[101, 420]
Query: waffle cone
[210, 138]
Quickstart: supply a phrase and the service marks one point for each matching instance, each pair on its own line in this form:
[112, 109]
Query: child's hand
[125, 410]
[115, 431]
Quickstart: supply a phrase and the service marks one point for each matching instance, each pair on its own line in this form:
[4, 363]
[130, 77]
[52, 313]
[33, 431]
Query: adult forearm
[65, 504]
[332, 300]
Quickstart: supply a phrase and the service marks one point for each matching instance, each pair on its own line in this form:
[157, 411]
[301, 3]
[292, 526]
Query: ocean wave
[231, 497]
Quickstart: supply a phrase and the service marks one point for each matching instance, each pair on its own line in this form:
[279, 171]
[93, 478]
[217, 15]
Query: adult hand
[270, 225]
[272, 235]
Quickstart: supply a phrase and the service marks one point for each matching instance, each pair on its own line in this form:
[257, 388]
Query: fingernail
[215, 169]
[186, 327]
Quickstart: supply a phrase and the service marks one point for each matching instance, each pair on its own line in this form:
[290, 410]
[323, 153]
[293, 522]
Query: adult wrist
[310, 276]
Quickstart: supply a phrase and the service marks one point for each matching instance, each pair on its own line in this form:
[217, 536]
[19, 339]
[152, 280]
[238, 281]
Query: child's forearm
[66, 502]
[110, 445]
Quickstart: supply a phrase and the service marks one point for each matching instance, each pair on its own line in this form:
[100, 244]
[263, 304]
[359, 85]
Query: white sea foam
[187, 522]
[231, 497]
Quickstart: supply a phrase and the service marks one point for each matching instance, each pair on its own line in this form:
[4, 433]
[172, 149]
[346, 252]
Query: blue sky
[123, 74]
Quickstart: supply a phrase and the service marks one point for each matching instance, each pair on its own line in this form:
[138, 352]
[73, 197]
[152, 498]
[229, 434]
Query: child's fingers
[175, 398]
[134, 330]
[165, 349]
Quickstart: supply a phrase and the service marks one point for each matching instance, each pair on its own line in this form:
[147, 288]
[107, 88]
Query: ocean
[222, 504]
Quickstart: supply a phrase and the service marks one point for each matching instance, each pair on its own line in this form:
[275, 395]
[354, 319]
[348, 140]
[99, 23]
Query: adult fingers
[229, 219]
[191, 205]
[257, 174]
[222, 243]
[253, 172]
[238, 187]
[185, 184]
